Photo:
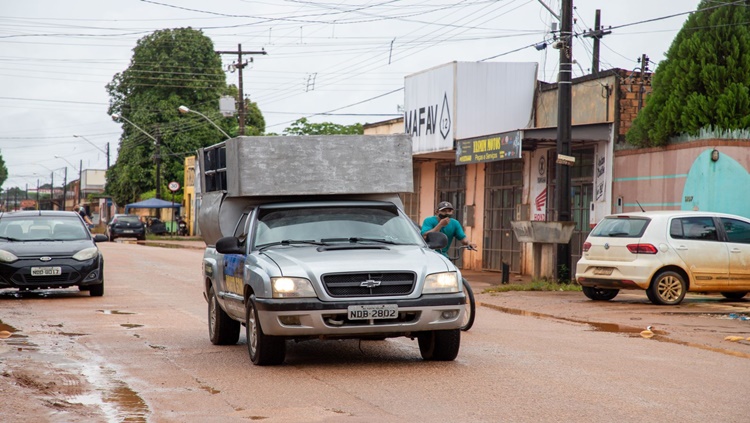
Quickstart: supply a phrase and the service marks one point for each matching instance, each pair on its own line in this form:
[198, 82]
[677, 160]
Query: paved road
[141, 353]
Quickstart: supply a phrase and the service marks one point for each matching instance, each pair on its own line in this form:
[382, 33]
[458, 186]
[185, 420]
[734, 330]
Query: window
[696, 228]
[737, 230]
[624, 227]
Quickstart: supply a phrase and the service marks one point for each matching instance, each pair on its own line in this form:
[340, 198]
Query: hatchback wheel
[599, 294]
[667, 288]
[734, 295]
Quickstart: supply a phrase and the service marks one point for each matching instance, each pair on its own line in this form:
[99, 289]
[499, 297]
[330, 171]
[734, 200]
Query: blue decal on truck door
[233, 264]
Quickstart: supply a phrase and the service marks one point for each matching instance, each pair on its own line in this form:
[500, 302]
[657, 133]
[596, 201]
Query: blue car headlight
[86, 254]
[7, 257]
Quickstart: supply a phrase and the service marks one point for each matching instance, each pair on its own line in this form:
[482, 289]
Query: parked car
[49, 249]
[667, 253]
[126, 226]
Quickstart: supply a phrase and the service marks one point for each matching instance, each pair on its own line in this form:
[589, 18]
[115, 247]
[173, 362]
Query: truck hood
[311, 262]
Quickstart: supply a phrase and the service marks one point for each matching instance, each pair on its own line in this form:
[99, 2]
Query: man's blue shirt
[452, 230]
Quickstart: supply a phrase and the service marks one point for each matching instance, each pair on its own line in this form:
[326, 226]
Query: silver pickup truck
[331, 269]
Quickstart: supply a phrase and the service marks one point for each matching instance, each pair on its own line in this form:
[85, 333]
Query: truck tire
[439, 345]
[222, 329]
[264, 350]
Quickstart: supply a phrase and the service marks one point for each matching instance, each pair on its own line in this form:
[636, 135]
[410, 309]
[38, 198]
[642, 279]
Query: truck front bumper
[312, 317]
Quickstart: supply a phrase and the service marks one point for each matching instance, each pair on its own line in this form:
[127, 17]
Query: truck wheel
[264, 350]
[222, 329]
[439, 345]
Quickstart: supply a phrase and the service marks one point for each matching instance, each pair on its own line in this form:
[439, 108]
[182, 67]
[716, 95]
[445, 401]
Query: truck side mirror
[436, 240]
[229, 245]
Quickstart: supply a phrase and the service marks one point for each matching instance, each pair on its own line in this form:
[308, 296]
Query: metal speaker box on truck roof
[247, 171]
[308, 165]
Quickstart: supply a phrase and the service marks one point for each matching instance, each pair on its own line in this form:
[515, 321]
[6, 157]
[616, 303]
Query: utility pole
[107, 156]
[564, 118]
[65, 189]
[597, 33]
[644, 68]
[52, 191]
[80, 181]
[241, 65]
[157, 158]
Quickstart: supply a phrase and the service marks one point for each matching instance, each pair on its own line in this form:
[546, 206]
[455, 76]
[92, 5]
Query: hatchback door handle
[681, 247]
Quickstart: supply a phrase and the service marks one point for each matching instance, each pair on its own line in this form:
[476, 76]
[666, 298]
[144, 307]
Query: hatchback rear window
[127, 219]
[625, 227]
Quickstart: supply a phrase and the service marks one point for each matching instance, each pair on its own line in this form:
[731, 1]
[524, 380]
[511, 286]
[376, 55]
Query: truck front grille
[368, 284]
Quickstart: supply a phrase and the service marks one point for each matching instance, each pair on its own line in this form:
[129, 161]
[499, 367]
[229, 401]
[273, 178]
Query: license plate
[366, 312]
[603, 271]
[128, 231]
[45, 271]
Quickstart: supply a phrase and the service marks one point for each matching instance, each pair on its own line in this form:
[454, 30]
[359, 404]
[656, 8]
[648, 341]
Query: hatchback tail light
[642, 249]
[586, 246]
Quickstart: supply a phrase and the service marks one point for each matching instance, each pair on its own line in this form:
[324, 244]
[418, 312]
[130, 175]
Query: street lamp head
[183, 109]
[115, 117]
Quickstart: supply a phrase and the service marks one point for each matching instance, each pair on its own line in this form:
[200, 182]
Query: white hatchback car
[667, 253]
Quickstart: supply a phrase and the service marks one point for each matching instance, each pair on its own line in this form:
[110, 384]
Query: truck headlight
[292, 288]
[86, 254]
[7, 257]
[440, 283]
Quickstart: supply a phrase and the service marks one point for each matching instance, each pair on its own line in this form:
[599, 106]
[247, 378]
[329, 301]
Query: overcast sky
[336, 57]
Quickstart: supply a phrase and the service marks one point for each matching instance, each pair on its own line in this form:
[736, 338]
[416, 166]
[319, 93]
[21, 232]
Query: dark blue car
[49, 249]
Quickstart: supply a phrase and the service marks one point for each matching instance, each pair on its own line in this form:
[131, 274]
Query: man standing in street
[445, 223]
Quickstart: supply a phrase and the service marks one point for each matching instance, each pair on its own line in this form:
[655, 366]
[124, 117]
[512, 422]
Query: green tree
[704, 81]
[3, 170]
[169, 68]
[303, 127]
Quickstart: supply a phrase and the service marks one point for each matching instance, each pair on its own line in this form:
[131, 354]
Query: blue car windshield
[336, 224]
[37, 228]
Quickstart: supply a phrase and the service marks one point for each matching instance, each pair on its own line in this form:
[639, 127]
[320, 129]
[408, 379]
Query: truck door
[234, 265]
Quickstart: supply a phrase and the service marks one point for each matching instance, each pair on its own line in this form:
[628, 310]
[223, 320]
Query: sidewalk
[485, 279]
[477, 278]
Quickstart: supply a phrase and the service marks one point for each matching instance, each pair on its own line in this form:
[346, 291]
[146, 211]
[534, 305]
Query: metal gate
[450, 185]
[503, 191]
[582, 194]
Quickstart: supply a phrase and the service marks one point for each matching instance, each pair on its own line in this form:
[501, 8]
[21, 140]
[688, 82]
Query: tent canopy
[152, 203]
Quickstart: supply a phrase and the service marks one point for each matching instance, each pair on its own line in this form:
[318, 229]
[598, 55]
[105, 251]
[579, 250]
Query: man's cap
[445, 205]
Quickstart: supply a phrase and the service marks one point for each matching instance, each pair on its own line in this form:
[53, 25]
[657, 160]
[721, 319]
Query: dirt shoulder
[700, 321]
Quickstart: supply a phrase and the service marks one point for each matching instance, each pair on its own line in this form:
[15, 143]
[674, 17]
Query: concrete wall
[683, 177]
[592, 99]
[393, 126]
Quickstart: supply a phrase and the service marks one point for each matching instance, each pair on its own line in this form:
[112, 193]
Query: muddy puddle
[661, 336]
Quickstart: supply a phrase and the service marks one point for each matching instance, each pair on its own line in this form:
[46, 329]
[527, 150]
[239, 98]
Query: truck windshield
[336, 224]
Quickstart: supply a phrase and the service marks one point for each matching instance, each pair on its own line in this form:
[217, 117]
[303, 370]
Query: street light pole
[185, 110]
[97, 147]
[116, 117]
